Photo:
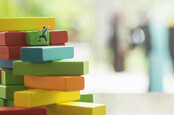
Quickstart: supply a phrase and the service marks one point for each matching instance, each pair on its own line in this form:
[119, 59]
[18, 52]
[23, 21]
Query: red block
[58, 37]
[10, 52]
[22, 111]
[12, 38]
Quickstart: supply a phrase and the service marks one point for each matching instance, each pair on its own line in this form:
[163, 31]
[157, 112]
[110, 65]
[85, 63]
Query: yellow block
[37, 97]
[76, 108]
[35, 23]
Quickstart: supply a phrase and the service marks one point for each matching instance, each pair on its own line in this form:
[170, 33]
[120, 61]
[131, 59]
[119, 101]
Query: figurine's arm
[42, 30]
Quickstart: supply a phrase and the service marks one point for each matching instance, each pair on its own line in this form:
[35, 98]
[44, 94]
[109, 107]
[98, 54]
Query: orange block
[59, 83]
[1, 69]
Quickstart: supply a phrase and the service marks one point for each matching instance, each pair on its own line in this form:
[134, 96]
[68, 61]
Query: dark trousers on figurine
[43, 36]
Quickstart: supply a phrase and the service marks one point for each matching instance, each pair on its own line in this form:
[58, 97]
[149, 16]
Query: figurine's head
[44, 27]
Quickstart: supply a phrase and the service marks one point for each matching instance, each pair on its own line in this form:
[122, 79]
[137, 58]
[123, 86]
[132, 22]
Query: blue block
[8, 64]
[46, 53]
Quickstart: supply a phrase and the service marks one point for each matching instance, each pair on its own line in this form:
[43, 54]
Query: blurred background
[129, 43]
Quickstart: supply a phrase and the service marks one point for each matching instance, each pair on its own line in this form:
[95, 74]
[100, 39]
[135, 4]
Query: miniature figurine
[44, 32]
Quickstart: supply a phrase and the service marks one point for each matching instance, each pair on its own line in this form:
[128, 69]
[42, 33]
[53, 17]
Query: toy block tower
[46, 67]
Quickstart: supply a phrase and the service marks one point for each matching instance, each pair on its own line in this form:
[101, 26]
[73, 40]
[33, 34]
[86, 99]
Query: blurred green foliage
[72, 15]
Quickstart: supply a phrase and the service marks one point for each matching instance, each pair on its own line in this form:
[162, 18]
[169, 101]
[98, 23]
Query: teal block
[7, 78]
[8, 64]
[60, 67]
[86, 98]
[7, 92]
[32, 38]
[46, 53]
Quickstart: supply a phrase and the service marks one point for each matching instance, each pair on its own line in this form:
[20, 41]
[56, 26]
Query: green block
[10, 103]
[7, 92]
[7, 78]
[86, 98]
[2, 103]
[59, 67]
[6, 103]
[32, 38]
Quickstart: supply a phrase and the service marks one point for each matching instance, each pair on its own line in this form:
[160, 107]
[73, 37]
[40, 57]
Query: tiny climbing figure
[44, 34]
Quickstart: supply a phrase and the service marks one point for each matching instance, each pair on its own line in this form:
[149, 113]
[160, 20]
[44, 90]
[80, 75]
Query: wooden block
[46, 53]
[58, 36]
[37, 97]
[59, 83]
[86, 98]
[76, 108]
[6, 103]
[8, 78]
[32, 38]
[10, 52]
[0, 73]
[10, 103]
[7, 92]
[61, 67]
[26, 23]
[12, 38]
[22, 111]
[2, 103]
[6, 64]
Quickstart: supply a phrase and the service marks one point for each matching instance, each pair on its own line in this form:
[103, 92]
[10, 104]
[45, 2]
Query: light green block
[7, 92]
[7, 78]
[32, 38]
[86, 98]
[60, 67]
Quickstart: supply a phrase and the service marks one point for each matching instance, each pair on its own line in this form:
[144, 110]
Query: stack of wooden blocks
[37, 79]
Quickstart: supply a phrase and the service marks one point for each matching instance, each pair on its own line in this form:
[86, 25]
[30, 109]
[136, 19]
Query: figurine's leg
[46, 40]
[40, 38]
